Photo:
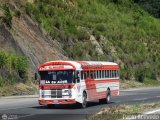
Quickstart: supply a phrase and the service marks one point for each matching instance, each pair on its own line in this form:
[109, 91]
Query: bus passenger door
[78, 86]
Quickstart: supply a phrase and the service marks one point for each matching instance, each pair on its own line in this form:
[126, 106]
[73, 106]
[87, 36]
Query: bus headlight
[42, 93]
[69, 91]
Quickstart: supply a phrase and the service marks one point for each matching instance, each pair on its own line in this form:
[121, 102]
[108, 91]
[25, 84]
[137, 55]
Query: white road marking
[158, 96]
[140, 99]
[26, 116]
[12, 108]
[22, 96]
[129, 94]
[153, 111]
[140, 89]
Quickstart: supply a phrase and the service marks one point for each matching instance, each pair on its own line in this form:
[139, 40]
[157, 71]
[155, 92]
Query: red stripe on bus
[105, 81]
[61, 101]
[57, 63]
[56, 69]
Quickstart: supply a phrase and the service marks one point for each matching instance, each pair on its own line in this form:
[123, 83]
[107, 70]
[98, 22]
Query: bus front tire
[108, 97]
[84, 102]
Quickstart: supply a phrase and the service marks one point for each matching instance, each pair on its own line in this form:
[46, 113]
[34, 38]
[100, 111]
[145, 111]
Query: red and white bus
[69, 82]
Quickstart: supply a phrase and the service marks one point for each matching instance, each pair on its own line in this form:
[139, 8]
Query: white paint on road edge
[12, 108]
[152, 112]
[26, 116]
[137, 89]
[140, 99]
[22, 96]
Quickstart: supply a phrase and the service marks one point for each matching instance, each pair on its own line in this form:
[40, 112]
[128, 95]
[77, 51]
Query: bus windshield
[57, 77]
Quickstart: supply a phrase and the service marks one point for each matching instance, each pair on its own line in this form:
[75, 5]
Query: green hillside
[125, 31]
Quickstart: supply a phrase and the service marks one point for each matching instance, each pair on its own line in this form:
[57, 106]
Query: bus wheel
[50, 106]
[84, 102]
[108, 96]
[107, 99]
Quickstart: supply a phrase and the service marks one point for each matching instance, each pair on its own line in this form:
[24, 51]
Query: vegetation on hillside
[13, 68]
[153, 7]
[7, 15]
[131, 34]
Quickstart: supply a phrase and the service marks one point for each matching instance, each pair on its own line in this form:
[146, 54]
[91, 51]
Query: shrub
[14, 68]
[17, 13]
[29, 8]
[7, 15]
[83, 34]
[140, 74]
[101, 27]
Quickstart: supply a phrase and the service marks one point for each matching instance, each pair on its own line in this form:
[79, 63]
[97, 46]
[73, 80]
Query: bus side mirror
[35, 76]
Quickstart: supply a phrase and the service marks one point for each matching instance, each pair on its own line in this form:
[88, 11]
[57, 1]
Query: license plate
[55, 101]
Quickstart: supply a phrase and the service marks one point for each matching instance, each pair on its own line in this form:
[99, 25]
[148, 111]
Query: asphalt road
[27, 108]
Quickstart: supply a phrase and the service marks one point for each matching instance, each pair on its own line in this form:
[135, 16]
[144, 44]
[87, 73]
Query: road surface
[27, 108]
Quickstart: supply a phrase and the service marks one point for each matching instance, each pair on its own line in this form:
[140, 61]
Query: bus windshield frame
[57, 76]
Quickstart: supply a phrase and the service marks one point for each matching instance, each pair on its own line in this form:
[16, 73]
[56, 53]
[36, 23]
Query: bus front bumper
[59, 101]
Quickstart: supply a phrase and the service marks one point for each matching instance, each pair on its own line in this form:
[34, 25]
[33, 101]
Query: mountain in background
[122, 31]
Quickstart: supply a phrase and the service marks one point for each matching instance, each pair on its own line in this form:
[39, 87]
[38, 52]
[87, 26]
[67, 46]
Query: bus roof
[78, 65]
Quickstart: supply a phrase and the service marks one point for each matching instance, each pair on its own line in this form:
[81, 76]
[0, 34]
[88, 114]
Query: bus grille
[56, 93]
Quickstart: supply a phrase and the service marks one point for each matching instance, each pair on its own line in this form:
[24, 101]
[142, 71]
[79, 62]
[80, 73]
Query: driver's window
[82, 75]
[77, 77]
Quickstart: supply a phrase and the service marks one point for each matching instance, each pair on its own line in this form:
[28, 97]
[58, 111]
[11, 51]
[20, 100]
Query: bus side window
[103, 74]
[100, 74]
[106, 75]
[118, 73]
[95, 75]
[88, 74]
[85, 75]
[77, 76]
[115, 72]
[82, 75]
[112, 73]
[92, 74]
[109, 73]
